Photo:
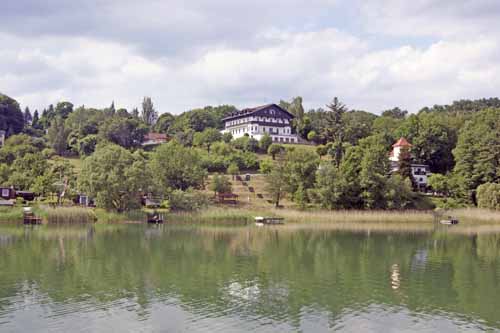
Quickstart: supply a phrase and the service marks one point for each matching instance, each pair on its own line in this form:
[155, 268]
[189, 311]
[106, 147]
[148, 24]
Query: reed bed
[11, 214]
[214, 215]
[70, 215]
[475, 215]
[359, 216]
[105, 216]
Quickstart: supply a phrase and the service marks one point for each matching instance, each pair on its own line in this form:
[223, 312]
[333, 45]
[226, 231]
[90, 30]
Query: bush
[188, 200]
[488, 196]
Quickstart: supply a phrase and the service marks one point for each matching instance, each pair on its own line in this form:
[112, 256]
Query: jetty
[261, 221]
[29, 217]
[155, 218]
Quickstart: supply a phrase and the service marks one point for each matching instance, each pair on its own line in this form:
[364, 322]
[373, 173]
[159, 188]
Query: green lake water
[135, 278]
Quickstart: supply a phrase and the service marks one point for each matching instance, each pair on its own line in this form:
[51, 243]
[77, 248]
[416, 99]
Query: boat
[449, 221]
[155, 218]
[29, 217]
[261, 221]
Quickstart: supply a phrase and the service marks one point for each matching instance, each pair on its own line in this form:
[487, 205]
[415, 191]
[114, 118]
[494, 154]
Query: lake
[133, 278]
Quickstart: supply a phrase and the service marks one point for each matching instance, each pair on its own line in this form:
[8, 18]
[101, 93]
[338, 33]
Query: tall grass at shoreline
[70, 215]
[11, 214]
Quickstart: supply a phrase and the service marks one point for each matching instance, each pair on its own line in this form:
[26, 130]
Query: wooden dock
[261, 221]
[30, 218]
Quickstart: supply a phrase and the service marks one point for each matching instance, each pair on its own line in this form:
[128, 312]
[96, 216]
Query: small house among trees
[154, 139]
[401, 162]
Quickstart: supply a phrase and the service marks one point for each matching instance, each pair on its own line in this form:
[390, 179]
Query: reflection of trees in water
[258, 272]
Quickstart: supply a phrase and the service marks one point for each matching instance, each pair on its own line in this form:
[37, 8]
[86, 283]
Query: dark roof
[249, 111]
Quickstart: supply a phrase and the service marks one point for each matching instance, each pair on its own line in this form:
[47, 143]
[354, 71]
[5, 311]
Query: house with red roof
[420, 172]
[154, 139]
[256, 122]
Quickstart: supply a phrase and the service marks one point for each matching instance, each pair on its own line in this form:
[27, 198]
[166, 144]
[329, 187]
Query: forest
[345, 166]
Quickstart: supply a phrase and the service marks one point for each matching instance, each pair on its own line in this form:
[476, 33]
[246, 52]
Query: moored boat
[261, 221]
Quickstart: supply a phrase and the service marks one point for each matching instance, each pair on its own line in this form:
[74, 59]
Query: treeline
[349, 168]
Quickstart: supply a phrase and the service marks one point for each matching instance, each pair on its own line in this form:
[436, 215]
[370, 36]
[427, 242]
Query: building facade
[420, 172]
[256, 122]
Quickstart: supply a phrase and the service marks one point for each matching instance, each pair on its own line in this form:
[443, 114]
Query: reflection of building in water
[395, 277]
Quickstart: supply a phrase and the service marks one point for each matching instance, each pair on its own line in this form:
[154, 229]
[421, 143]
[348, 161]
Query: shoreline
[215, 215]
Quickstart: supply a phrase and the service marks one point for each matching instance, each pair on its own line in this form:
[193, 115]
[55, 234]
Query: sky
[184, 54]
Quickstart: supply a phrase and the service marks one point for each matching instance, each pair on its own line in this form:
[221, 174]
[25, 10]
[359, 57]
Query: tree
[27, 117]
[36, 118]
[301, 165]
[58, 135]
[312, 136]
[114, 177]
[440, 183]
[220, 184]
[477, 153]
[227, 137]
[63, 110]
[334, 130]
[275, 149]
[11, 116]
[265, 142]
[276, 182]
[148, 112]
[373, 176]
[206, 138]
[488, 196]
[164, 122]
[176, 167]
[126, 132]
[396, 113]
[404, 165]
[295, 107]
[233, 169]
[321, 150]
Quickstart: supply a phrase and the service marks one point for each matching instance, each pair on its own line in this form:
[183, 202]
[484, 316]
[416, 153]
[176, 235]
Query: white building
[255, 122]
[420, 172]
[2, 138]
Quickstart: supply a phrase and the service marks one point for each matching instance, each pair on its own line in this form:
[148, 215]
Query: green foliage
[198, 120]
[148, 113]
[276, 181]
[266, 166]
[227, 137]
[11, 116]
[233, 169]
[374, 170]
[488, 196]
[176, 167]
[220, 184]
[312, 136]
[164, 122]
[265, 142]
[206, 138]
[188, 200]
[114, 177]
[275, 149]
[395, 113]
[321, 150]
[477, 153]
[126, 132]
[58, 135]
[299, 169]
[246, 143]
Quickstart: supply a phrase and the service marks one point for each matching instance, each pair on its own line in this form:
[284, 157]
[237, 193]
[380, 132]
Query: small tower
[397, 148]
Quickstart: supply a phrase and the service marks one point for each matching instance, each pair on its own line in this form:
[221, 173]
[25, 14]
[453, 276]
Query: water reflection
[236, 279]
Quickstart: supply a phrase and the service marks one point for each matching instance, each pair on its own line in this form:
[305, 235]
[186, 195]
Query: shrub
[488, 196]
[188, 200]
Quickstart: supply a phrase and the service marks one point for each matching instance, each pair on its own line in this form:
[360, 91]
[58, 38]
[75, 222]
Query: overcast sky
[373, 55]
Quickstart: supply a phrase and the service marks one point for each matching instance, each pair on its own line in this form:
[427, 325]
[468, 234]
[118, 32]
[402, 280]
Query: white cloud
[231, 61]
